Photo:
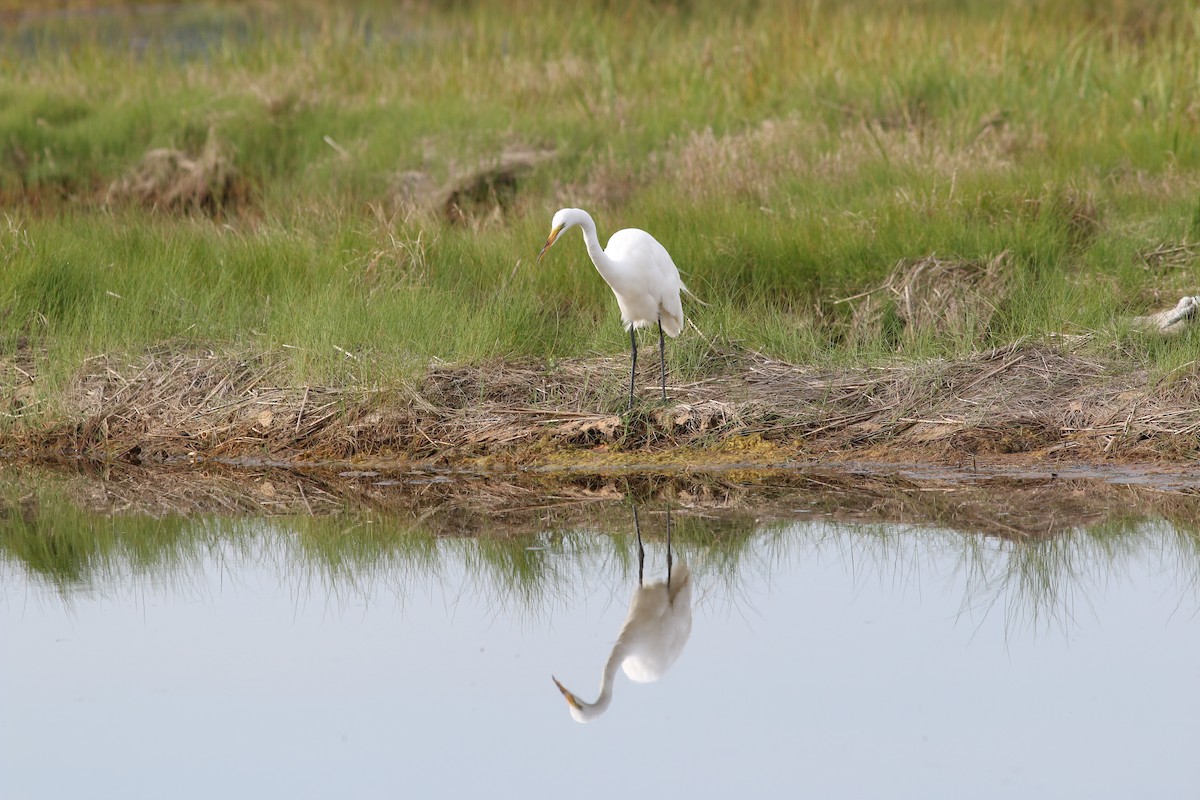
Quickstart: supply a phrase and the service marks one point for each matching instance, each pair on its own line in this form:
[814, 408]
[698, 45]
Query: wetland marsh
[308, 232]
[310, 478]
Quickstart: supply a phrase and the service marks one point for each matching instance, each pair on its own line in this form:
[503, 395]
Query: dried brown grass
[744, 165]
[932, 295]
[173, 181]
[1027, 400]
[486, 191]
[903, 140]
[1169, 273]
[749, 165]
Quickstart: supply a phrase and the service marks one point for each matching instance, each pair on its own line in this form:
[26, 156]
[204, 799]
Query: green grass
[788, 155]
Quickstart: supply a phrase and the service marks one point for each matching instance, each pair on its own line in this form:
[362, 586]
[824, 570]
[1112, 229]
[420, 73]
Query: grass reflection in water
[1030, 550]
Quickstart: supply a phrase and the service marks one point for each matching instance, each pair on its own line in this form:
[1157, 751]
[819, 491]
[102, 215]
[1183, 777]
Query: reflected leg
[668, 548]
[641, 550]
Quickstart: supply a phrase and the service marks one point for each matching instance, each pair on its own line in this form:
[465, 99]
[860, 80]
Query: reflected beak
[553, 235]
[570, 697]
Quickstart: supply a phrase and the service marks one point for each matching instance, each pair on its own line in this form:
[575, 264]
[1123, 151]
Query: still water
[353, 655]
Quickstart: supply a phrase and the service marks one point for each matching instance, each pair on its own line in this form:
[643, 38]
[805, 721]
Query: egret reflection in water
[655, 630]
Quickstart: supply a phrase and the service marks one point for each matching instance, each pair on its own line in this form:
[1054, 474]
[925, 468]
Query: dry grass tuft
[611, 182]
[490, 190]
[933, 295]
[1170, 256]
[751, 165]
[995, 145]
[484, 192]
[173, 181]
[745, 165]
[1077, 210]
[18, 384]
[1169, 273]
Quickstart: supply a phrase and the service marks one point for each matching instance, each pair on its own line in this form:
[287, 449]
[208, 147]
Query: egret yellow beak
[553, 235]
[570, 697]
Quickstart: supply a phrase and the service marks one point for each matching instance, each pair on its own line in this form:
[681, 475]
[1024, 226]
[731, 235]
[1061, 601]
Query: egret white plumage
[656, 628]
[640, 273]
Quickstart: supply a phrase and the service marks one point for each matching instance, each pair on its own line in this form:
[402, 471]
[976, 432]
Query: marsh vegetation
[341, 203]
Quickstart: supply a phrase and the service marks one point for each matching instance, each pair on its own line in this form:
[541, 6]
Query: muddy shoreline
[1013, 504]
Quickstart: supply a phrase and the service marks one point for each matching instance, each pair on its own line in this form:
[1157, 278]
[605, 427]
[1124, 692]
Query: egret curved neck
[603, 263]
[610, 673]
[587, 712]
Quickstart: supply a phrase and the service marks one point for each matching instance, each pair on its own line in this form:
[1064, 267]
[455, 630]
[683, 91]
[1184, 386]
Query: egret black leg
[641, 550]
[662, 359]
[633, 362]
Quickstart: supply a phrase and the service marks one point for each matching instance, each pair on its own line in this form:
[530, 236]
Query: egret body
[640, 273]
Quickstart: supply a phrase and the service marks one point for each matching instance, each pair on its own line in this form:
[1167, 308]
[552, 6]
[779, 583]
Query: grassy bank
[357, 191]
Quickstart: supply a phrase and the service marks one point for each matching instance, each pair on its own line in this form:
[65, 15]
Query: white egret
[640, 273]
[656, 628]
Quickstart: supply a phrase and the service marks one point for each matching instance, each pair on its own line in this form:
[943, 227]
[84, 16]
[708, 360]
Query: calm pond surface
[370, 652]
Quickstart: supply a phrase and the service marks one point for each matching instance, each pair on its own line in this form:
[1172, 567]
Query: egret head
[563, 219]
[581, 711]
